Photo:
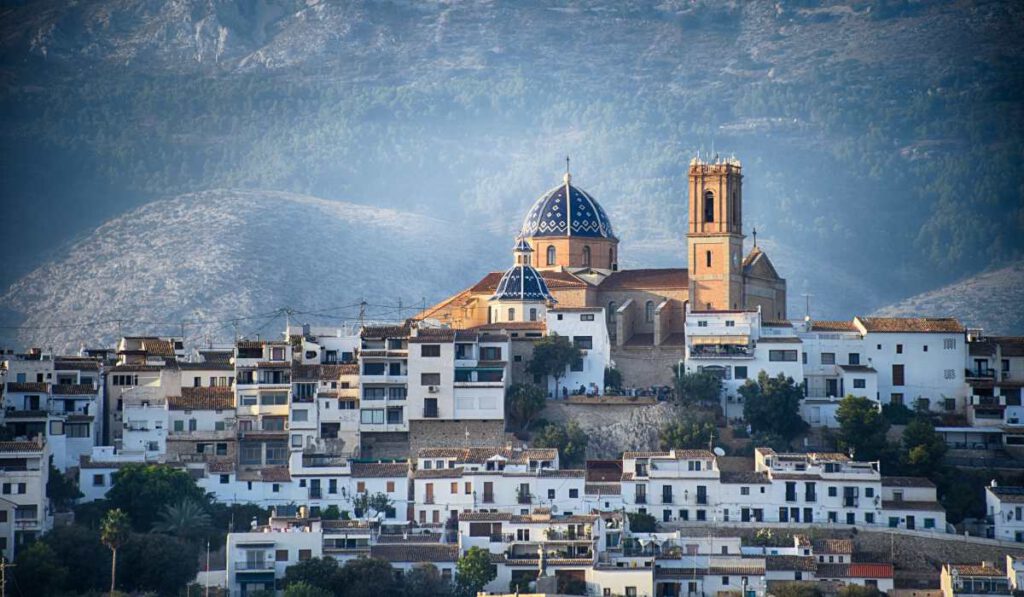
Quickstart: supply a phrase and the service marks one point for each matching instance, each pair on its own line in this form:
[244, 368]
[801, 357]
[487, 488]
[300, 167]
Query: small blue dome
[522, 283]
[551, 215]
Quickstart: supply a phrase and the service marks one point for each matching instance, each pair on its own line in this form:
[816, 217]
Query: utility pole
[400, 314]
[362, 313]
[3, 576]
[207, 568]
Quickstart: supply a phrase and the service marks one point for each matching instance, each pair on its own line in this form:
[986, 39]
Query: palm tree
[187, 519]
[114, 533]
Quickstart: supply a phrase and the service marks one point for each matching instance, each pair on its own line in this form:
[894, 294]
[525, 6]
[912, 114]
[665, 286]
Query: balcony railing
[430, 412]
[488, 498]
[428, 499]
[252, 565]
[980, 372]
[640, 499]
[666, 498]
[524, 498]
[315, 493]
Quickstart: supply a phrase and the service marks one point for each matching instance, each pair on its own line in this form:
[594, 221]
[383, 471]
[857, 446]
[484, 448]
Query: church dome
[567, 210]
[522, 283]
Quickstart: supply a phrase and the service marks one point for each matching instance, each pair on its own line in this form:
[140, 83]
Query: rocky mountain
[880, 139]
[226, 254]
[990, 300]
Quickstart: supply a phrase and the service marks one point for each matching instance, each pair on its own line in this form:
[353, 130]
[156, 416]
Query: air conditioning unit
[433, 389]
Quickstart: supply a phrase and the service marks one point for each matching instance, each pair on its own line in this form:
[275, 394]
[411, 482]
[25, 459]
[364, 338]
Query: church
[566, 256]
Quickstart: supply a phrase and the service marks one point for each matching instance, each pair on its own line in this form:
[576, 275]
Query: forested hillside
[881, 139]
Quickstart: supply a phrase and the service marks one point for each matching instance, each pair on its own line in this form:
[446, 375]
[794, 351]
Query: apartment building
[912, 503]
[736, 346]
[263, 386]
[1004, 512]
[585, 327]
[835, 366]
[58, 398]
[453, 480]
[257, 560]
[982, 578]
[995, 376]
[383, 385]
[24, 512]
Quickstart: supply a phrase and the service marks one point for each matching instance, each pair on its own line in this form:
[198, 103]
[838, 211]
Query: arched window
[649, 311]
[551, 254]
[612, 308]
[533, 314]
[709, 207]
[586, 256]
[708, 255]
[511, 314]
[735, 208]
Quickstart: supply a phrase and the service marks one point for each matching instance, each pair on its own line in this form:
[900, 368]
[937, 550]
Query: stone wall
[644, 366]
[439, 434]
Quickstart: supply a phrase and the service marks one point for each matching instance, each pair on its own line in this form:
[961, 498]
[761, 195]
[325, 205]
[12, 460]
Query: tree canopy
[474, 570]
[862, 428]
[523, 402]
[772, 405]
[698, 388]
[552, 356]
[687, 430]
[143, 490]
[570, 441]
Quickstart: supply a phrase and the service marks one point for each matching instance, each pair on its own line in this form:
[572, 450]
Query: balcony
[640, 499]
[666, 498]
[720, 351]
[849, 502]
[980, 373]
[524, 498]
[488, 498]
[428, 499]
[315, 493]
[253, 566]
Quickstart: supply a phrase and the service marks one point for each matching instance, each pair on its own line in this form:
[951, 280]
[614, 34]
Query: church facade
[567, 256]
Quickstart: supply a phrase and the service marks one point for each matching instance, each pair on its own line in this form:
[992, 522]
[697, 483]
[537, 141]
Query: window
[533, 314]
[897, 375]
[305, 554]
[281, 555]
[709, 207]
[274, 399]
[224, 479]
[179, 426]
[391, 486]
[828, 358]
[587, 317]
[707, 258]
[249, 400]
[584, 342]
[300, 414]
[373, 416]
[574, 493]
[430, 350]
[729, 323]
[949, 344]
[430, 379]
[833, 492]
[740, 372]
[296, 440]
[925, 347]
[586, 256]
[511, 314]
[551, 494]
[899, 349]
[490, 353]
[895, 398]
[56, 427]
[649, 311]
[744, 491]
[782, 355]
[98, 481]
[860, 383]
[551, 254]
[702, 323]
[854, 358]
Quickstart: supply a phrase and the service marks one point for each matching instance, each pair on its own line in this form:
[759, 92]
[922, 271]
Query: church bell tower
[714, 238]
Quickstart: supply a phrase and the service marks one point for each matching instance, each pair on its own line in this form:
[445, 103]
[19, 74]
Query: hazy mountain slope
[992, 300]
[223, 254]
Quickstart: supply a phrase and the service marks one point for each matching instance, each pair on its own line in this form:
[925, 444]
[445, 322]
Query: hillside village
[770, 450]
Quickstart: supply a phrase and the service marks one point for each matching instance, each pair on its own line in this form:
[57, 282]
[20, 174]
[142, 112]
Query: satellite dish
[718, 451]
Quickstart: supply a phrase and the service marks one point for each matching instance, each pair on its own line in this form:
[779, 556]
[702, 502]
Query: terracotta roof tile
[31, 386]
[911, 324]
[380, 469]
[384, 331]
[277, 474]
[439, 473]
[834, 546]
[977, 570]
[205, 398]
[322, 372]
[646, 279]
[802, 563]
[870, 570]
[76, 365]
[833, 326]
[602, 488]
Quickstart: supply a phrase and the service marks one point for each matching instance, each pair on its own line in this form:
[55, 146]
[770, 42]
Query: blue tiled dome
[522, 283]
[551, 215]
